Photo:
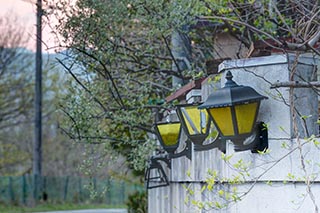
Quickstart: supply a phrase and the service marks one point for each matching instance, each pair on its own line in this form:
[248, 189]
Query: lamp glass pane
[169, 133]
[245, 114]
[223, 119]
[195, 119]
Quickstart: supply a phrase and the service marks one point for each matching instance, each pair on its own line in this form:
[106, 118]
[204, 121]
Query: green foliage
[314, 140]
[123, 58]
[16, 87]
[117, 76]
[12, 156]
[17, 106]
[188, 189]
[200, 205]
[268, 21]
[304, 117]
[222, 190]
[120, 59]
[291, 176]
[225, 157]
[264, 152]
[284, 145]
[137, 202]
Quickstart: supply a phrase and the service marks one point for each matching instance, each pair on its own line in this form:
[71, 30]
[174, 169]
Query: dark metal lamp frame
[199, 138]
[172, 149]
[154, 164]
[231, 95]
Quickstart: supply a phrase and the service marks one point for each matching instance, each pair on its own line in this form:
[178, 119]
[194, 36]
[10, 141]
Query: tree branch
[296, 84]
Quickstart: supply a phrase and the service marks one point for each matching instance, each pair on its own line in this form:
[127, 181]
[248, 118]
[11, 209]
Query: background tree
[120, 58]
[286, 25]
[15, 89]
[14, 95]
[119, 55]
[16, 108]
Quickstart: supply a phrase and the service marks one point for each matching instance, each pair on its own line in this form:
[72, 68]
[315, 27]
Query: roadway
[90, 211]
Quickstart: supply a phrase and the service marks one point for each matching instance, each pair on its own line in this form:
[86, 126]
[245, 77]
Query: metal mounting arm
[185, 152]
[217, 143]
[155, 172]
[256, 142]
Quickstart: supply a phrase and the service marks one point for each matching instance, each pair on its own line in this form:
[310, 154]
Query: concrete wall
[275, 181]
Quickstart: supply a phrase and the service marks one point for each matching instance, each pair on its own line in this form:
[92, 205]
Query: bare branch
[296, 84]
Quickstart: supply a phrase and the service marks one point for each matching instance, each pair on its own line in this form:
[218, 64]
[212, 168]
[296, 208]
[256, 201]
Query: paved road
[91, 211]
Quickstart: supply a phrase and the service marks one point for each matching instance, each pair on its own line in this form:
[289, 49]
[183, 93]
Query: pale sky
[26, 13]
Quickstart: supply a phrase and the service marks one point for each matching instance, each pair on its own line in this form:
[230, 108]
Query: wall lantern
[155, 175]
[196, 124]
[168, 134]
[234, 110]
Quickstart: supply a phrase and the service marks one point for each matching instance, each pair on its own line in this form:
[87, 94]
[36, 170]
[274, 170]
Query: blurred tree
[16, 91]
[15, 83]
[17, 108]
[120, 57]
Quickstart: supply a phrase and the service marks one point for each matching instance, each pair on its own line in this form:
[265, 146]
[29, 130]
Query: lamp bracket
[217, 143]
[161, 179]
[186, 151]
[164, 158]
[256, 142]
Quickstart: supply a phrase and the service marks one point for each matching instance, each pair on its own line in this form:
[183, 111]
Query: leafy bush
[137, 202]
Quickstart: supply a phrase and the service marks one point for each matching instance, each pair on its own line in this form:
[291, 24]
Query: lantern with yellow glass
[168, 134]
[234, 109]
[197, 125]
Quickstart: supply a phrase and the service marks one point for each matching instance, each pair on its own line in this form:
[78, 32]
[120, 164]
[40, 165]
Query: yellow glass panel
[223, 118]
[195, 122]
[169, 133]
[204, 118]
[245, 115]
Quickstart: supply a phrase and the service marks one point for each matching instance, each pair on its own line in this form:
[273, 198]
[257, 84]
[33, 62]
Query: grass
[54, 207]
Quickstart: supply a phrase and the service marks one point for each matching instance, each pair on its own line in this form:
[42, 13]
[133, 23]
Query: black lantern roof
[231, 94]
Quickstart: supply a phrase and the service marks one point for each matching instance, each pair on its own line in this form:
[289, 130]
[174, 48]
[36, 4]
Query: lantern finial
[229, 75]
[230, 82]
